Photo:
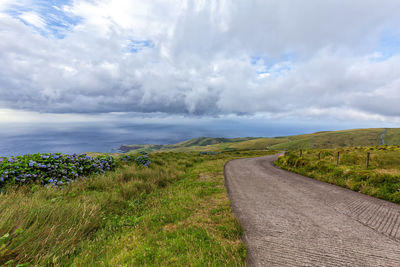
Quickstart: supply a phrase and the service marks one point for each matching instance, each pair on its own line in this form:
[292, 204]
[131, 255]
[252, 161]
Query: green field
[175, 212]
[381, 179]
[333, 139]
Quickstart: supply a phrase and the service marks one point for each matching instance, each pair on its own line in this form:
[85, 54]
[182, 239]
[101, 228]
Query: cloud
[33, 19]
[202, 58]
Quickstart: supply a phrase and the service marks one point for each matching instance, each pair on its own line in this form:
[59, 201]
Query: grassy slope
[205, 141]
[196, 144]
[356, 137]
[253, 144]
[392, 136]
[381, 179]
[175, 212]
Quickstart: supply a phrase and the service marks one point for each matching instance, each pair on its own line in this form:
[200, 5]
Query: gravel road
[292, 220]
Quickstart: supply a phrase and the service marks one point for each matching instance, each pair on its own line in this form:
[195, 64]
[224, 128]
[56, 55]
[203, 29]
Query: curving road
[292, 220]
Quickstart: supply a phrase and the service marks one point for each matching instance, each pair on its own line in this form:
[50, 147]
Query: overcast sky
[311, 60]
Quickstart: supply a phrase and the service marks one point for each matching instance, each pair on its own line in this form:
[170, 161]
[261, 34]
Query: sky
[331, 62]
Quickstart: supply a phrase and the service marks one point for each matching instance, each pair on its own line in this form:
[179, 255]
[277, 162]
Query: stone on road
[292, 220]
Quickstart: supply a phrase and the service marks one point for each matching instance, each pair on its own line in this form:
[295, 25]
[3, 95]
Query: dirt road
[292, 220]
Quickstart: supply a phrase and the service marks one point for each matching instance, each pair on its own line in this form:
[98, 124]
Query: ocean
[18, 139]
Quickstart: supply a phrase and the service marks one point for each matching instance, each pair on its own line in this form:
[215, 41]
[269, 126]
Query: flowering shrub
[142, 160]
[56, 169]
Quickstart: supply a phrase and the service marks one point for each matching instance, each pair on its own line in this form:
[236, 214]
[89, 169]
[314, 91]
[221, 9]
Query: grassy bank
[381, 179]
[318, 140]
[173, 212]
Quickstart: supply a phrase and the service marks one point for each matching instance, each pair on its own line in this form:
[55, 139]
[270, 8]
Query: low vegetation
[173, 211]
[381, 179]
[327, 139]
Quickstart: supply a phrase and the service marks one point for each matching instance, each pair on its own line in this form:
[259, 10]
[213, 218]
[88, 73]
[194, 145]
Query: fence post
[301, 153]
[319, 156]
[367, 163]
[337, 159]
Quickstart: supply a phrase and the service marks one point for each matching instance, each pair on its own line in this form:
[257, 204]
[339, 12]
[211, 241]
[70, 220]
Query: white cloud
[313, 58]
[4, 4]
[34, 19]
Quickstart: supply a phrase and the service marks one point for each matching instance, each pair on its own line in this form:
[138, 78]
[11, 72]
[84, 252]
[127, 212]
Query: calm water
[20, 139]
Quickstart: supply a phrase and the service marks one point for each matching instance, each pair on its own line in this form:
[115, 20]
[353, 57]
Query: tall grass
[174, 212]
[55, 221]
[381, 179]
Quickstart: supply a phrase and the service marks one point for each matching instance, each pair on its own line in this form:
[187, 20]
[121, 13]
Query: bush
[209, 153]
[142, 160]
[51, 169]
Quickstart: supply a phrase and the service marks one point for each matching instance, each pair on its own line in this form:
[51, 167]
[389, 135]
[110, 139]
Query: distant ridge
[206, 141]
[322, 139]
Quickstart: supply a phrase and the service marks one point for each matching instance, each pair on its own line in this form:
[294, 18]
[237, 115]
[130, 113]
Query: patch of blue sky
[269, 65]
[269, 60]
[57, 20]
[135, 46]
[388, 46]
[256, 59]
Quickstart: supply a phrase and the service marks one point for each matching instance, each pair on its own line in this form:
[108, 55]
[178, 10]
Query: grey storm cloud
[203, 57]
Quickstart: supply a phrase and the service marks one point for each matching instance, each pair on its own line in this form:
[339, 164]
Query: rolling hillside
[326, 139]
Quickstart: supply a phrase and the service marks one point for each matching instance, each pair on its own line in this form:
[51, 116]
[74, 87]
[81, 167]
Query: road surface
[292, 220]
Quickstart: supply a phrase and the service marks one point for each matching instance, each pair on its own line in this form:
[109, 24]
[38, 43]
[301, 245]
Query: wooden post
[337, 159]
[319, 156]
[301, 153]
[367, 163]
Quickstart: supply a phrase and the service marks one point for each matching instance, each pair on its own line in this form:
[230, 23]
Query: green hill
[325, 139]
[206, 141]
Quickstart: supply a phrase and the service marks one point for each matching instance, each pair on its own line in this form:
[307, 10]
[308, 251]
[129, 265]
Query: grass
[392, 136]
[205, 141]
[174, 212]
[381, 179]
[356, 137]
[327, 139]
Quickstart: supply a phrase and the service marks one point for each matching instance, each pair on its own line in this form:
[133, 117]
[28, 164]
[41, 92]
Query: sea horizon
[20, 139]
